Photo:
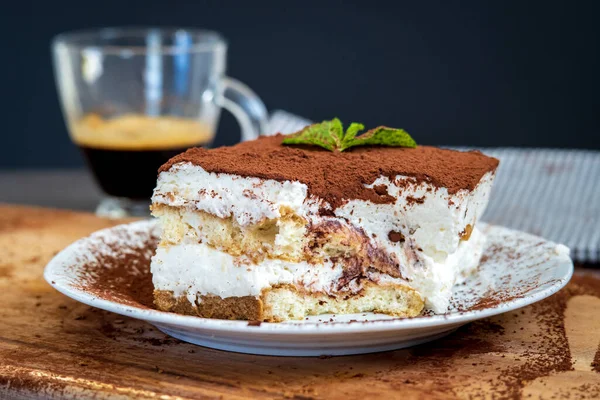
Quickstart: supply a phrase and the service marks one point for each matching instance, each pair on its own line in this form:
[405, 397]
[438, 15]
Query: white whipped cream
[248, 200]
[189, 269]
[434, 279]
[436, 222]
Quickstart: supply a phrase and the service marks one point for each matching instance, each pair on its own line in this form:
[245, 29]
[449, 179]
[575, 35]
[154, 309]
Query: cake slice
[270, 232]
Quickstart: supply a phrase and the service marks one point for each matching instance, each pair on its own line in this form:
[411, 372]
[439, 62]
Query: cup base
[118, 207]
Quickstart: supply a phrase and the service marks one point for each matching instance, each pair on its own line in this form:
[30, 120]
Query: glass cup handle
[246, 107]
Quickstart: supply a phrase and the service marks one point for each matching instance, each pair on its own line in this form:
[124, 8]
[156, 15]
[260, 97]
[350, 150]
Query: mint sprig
[382, 136]
[327, 134]
[330, 135]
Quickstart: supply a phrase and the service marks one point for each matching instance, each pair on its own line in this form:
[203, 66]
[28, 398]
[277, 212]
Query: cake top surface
[335, 176]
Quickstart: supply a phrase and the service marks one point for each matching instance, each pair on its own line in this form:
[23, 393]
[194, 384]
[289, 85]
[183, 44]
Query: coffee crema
[139, 132]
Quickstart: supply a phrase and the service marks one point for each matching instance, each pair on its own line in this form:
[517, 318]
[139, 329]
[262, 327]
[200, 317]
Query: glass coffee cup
[133, 98]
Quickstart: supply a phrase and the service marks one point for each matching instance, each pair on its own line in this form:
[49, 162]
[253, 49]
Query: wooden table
[52, 346]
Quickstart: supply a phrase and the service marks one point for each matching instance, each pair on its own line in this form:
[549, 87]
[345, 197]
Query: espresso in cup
[135, 97]
[125, 152]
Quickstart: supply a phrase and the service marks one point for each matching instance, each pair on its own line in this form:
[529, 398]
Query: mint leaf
[380, 136]
[351, 132]
[330, 135]
[336, 130]
[327, 134]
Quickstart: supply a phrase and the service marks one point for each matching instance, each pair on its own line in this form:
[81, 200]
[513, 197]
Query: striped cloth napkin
[550, 193]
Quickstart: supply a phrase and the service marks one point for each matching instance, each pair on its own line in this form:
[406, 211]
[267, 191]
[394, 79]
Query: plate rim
[290, 327]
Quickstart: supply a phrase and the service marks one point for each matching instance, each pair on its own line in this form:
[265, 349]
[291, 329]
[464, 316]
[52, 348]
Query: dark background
[482, 73]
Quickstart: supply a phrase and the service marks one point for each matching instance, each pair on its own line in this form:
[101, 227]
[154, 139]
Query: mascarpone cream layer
[194, 268]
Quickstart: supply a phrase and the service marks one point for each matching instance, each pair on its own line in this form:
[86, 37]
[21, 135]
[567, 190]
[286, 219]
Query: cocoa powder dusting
[125, 278]
[596, 362]
[410, 200]
[586, 284]
[552, 354]
[395, 237]
[339, 176]
[380, 189]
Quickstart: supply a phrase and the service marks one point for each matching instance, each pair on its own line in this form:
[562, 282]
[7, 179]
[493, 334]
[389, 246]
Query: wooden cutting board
[52, 346]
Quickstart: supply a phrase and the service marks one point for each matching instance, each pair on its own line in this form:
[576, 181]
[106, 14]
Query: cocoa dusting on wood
[596, 362]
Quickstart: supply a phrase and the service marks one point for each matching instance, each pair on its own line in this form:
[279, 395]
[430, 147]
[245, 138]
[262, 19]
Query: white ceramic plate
[110, 270]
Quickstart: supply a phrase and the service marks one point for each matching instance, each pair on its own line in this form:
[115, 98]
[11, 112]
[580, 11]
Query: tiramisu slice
[271, 231]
